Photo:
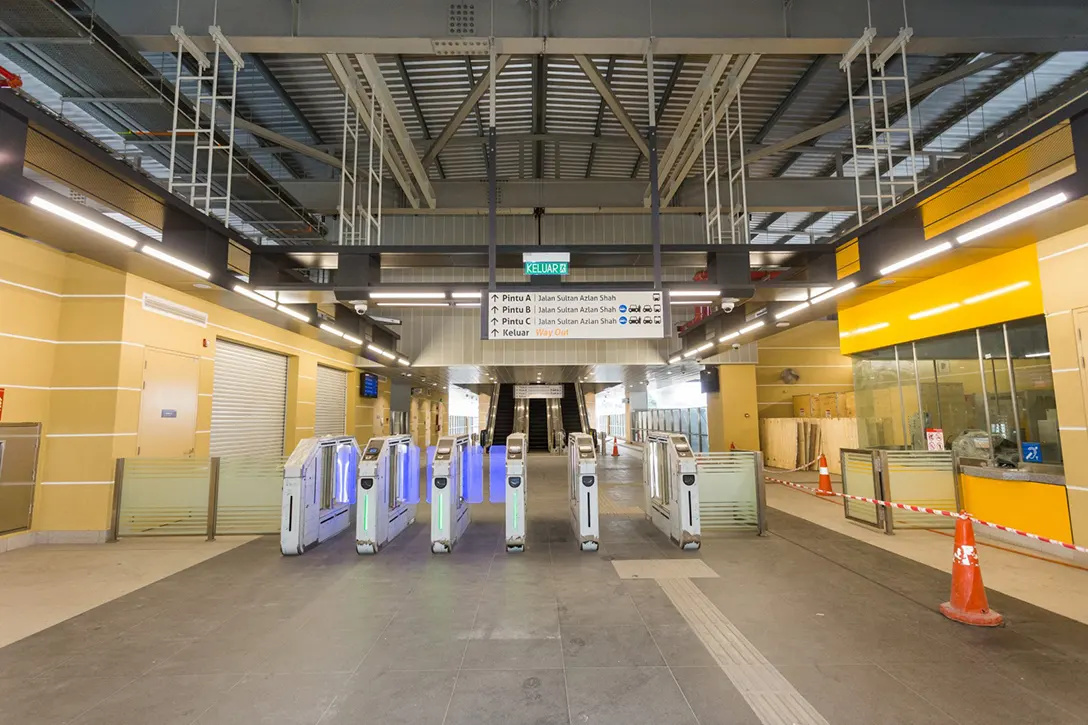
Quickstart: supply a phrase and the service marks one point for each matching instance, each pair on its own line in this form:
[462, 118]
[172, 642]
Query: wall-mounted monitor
[368, 385]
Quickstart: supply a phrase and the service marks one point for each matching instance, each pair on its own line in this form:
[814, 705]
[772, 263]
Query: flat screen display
[368, 385]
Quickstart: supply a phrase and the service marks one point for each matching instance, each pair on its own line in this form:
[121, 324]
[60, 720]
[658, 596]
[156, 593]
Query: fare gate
[449, 507]
[671, 481]
[517, 453]
[318, 491]
[584, 487]
[388, 489]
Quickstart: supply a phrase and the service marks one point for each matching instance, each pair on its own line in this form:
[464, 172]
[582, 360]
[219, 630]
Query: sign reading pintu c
[546, 263]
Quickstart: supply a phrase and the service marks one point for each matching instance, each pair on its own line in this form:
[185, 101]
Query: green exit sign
[555, 268]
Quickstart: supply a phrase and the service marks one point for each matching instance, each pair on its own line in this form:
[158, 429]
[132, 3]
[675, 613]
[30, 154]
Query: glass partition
[250, 495]
[692, 422]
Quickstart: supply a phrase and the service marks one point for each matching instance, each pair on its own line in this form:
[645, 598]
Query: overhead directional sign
[574, 315]
[549, 263]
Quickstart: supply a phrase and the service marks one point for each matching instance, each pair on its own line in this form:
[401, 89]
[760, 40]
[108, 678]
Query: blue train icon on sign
[623, 320]
[623, 308]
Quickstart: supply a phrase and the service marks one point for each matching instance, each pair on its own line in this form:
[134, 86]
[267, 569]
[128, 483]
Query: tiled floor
[552, 635]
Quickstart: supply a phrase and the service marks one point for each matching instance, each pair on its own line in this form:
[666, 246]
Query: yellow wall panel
[1040, 508]
[812, 350]
[1070, 399]
[733, 413]
[86, 277]
[73, 508]
[1074, 445]
[895, 308]
[27, 313]
[22, 405]
[847, 259]
[1063, 275]
[1062, 338]
[1078, 515]
[94, 411]
[90, 365]
[26, 362]
[79, 459]
[32, 264]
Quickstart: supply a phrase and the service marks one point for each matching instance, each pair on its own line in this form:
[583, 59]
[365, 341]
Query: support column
[732, 413]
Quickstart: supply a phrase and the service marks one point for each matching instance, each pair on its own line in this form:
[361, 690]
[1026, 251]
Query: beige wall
[73, 336]
[732, 413]
[1065, 299]
[813, 351]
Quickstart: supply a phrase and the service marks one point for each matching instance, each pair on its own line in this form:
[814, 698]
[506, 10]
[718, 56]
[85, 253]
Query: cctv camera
[361, 307]
[728, 303]
[736, 345]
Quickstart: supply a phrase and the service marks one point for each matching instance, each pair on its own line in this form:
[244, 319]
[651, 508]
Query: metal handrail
[492, 410]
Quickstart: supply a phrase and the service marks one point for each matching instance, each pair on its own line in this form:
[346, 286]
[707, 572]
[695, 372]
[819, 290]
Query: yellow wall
[73, 335]
[813, 351]
[1040, 508]
[1062, 263]
[733, 413]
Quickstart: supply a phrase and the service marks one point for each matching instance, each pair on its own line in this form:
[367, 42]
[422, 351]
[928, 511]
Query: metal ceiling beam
[736, 83]
[662, 103]
[798, 88]
[708, 82]
[380, 88]
[602, 87]
[702, 27]
[348, 81]
[285, 98]
[462, 113]
[600, 119]
[407, 80]
[476, 111]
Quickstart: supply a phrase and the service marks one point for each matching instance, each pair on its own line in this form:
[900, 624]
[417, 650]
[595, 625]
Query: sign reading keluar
[546, 263]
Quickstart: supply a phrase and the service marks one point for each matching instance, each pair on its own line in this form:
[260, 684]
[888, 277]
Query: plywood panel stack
[793, 442]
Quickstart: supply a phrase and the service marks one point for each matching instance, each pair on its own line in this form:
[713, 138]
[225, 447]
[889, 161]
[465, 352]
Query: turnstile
[388, 490]
[517, 453]
[318, 491]
[671, 482]
[584, 513]
[449, 509]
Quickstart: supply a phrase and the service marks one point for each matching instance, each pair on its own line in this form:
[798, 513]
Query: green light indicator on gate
[549, 268]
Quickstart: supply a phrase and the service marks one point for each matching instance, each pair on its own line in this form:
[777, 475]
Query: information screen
[368, 385]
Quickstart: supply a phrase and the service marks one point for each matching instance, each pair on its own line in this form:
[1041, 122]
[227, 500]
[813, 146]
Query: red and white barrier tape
[927, 510]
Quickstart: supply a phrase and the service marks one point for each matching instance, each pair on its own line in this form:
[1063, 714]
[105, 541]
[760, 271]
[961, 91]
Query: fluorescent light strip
[934, 311]
[83, 221]
[832, 293]
[467, 304]
[926, 254]
[675, 359]
[1037, 354]
[331, 329]
[704, 346]
[465, 295]
[683, 303]
[690, 353]
[1047, 203]
[730, 336]
[172, 260]
[413, 304]
[863, 330]
[352, 339]
[694, 293]
[293, 313]
[407, 295]
[996, 293]
[245, 292]
[753, 326]
[403, 361]
[790, 311]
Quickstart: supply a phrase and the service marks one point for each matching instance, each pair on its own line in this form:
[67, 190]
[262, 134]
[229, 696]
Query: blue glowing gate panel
[496, 474]
[473, 467]
[347, 465]
[430, 470]
[411, 484]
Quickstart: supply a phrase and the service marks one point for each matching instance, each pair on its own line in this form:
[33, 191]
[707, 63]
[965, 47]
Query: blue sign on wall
[1031, 452]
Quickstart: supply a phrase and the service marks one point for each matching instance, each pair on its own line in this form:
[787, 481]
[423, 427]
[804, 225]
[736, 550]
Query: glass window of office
[995, 379]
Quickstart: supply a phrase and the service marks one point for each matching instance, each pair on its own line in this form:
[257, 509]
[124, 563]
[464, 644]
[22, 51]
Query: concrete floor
[805, 626]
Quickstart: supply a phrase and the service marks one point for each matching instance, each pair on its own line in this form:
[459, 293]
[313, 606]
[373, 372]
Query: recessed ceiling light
[201, 285]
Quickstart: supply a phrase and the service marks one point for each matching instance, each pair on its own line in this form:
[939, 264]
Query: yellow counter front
[1033, 502]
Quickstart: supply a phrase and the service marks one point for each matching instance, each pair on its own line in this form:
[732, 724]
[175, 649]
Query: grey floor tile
[599, 606]
[512, 654]
[609, 647]
[626, 695]
[392, 698]
[979, 695]
[680, 646]
[123, 657]
[514, 622]
[162, 700]
[408, 650]
[501, 697]
[713, 697]
[862, 695]
[295, 699]
[212, 657]
[48, 700]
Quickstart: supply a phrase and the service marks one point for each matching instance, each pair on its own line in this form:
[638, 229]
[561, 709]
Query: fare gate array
[517, 490]
[388, 491]
[670, 478]
[450, 513]
[318, 492]
[584, 490]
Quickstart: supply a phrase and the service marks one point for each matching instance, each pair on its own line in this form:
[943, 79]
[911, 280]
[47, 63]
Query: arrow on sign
[495, 309]
[494, 321]
[494, 333]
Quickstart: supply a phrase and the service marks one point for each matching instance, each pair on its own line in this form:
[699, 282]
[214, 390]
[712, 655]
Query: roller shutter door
[249, 401]
[331, 416]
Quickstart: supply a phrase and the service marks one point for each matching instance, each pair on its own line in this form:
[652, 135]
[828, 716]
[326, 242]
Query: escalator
[538, 424]
[572, 418]
[504, 416]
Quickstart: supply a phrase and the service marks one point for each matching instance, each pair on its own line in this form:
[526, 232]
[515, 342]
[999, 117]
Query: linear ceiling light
[914, 259]
[331, 329]
[682, 303]
[468, 304]
[694, 293]
[863, 330]
[407, 295]
[934, 311]
[172, 260]
[352, 339]
[85, 222]
[749, 328]
[1043, 205]
[1037, 354]
[704, 346]
[465, 295]
[293, 313]
[832, 293]
[675, 359]
[996, 293]
[403, 361]
[690, 353]
[413, 304]
[790, 311]
[246, 292]
[730, 336]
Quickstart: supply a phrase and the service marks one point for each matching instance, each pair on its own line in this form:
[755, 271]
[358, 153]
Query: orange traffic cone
[824, 486]
[615, 446]
[968, 601]
[732, 446]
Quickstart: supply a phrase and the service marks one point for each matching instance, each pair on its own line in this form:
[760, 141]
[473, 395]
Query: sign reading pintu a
[549, 263]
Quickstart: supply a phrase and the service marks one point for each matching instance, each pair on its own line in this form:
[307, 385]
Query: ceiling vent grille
[160, 306]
